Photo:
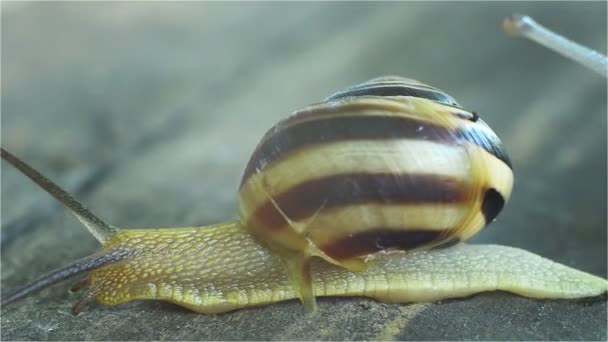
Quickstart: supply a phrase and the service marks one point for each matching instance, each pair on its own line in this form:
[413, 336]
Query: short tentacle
[89, 263]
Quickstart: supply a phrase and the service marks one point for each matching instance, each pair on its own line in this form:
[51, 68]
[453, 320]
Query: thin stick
[100, 230]
[521, 25]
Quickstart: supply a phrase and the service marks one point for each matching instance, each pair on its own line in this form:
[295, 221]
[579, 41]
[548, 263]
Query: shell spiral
[390, 164]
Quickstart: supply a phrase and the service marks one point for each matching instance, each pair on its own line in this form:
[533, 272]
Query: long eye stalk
[521, 25]
[100, 230]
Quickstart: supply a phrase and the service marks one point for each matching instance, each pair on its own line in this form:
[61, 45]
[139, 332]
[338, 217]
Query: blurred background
[148, 112]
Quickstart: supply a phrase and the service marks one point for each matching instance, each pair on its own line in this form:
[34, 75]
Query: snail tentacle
[97, 227]
[83, 265]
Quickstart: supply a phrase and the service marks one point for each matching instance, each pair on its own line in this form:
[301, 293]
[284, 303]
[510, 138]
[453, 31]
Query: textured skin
[220, 268]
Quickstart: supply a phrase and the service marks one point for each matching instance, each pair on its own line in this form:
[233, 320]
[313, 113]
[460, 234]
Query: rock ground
[149, 111]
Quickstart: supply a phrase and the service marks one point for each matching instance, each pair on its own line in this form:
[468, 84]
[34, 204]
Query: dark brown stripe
[396, 79]
[303, 200]
[281, 140]
[322, 111]
[380, 239]
[486, 139]
[396, 86]
[399, 82]
[392, 89]
[493, 202]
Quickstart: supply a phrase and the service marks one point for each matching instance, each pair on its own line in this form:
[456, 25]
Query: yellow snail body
[347, 197]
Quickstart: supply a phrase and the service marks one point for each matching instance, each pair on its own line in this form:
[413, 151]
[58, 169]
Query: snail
[367, 193]
[335, 200]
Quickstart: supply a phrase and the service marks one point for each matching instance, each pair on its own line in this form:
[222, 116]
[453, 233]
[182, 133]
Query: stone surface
[149, 111]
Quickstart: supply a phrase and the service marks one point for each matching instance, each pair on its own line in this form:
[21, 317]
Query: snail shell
[390, 164]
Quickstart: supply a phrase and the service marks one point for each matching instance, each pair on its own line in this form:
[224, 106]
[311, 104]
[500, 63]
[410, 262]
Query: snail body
[222, 268]
[346, 197]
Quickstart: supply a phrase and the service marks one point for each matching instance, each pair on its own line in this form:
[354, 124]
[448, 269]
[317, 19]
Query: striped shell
[390, 164]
